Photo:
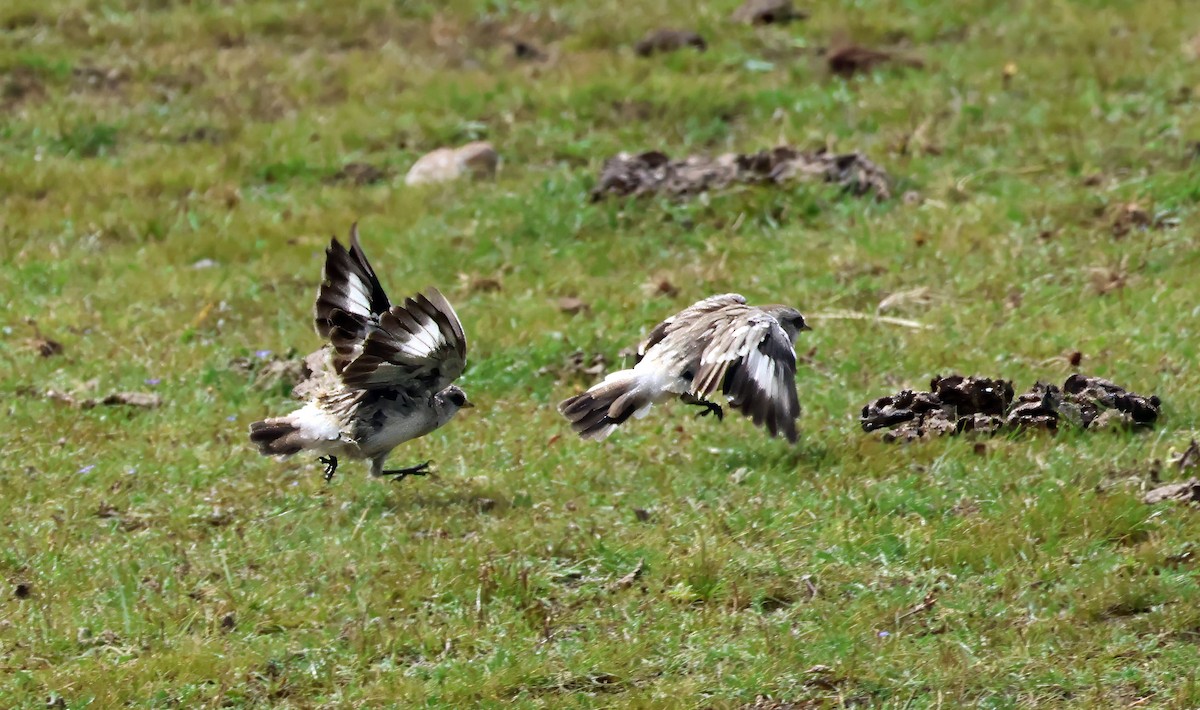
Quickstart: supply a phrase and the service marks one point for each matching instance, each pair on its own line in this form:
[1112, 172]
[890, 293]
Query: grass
[153, 559]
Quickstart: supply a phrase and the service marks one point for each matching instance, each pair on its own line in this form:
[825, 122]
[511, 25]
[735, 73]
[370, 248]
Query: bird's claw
[331, 464]
[421, 469]
[711, 408]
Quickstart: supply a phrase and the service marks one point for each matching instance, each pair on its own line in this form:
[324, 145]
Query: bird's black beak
[468, 404]
[805, 326]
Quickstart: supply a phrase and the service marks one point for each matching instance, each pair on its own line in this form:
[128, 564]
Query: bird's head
[449, 401]
[789, 319]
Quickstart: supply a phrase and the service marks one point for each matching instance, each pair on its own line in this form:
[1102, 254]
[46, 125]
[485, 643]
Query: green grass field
[152, 558]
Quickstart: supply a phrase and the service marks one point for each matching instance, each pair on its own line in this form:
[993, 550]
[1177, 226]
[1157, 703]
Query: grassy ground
[152, 558]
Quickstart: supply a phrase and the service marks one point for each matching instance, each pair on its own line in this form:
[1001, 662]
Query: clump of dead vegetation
[655, 172]
[958, 404]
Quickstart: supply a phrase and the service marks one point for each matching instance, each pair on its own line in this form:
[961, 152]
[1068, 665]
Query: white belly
[394, 427]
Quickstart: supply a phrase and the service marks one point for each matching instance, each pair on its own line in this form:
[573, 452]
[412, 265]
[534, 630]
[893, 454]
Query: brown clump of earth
[666, 40]
[850, 59]
[767, 12]
[957, 404]
[655, 172]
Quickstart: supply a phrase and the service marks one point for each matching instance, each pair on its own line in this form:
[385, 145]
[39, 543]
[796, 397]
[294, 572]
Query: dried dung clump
[850, 59]
[478, 159]
[767, 12]
[655, 172]
[270, 371]
[958, 404]
[1186, 492]
[665, 40]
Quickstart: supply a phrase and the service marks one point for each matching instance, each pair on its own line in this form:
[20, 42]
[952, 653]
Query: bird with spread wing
[386, 376]
[719, 346]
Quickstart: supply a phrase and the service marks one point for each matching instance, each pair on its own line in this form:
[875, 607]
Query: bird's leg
[421, 469]
[709, 407]
[330, 466]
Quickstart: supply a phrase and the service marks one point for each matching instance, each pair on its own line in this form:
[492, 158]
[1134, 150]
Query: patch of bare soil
[101, 79]
[957, 404]
[664, 40]
[655, 172]
[359, 174]
[21, 84]
[1123, 219]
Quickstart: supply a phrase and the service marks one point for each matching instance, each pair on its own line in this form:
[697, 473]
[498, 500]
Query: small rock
[228, 622]
[478, 159]
[642, 515]
[22, 590]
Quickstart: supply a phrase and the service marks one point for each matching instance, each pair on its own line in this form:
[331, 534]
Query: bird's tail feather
[277, 437]
[596, 413]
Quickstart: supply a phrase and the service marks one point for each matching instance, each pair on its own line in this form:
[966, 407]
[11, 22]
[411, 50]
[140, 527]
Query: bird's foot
[421, 469]
[330, 466]
[710, 408]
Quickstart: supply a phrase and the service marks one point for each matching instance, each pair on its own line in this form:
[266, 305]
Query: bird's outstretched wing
[418, 345]
[750, 359]
[350, 300]
[687, 318]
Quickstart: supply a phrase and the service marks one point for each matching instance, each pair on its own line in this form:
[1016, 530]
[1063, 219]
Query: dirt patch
[1124, 219]
[202, 134]
[665, 40]
[957, 404]
[21, 84]
[359, 174]
[101, 79]
[767, 12]
[850, 59]
[655, 172]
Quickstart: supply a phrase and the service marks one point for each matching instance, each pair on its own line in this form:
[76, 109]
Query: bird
[717, 346]
[385, 377]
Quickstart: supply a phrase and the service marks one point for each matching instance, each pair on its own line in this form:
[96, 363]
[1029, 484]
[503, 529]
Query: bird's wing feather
[750, 360]
[419, 345]
[349, 301]
[686, 318]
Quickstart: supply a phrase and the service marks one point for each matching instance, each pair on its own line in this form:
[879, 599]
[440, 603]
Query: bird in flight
[717, 346]
[386, 376]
